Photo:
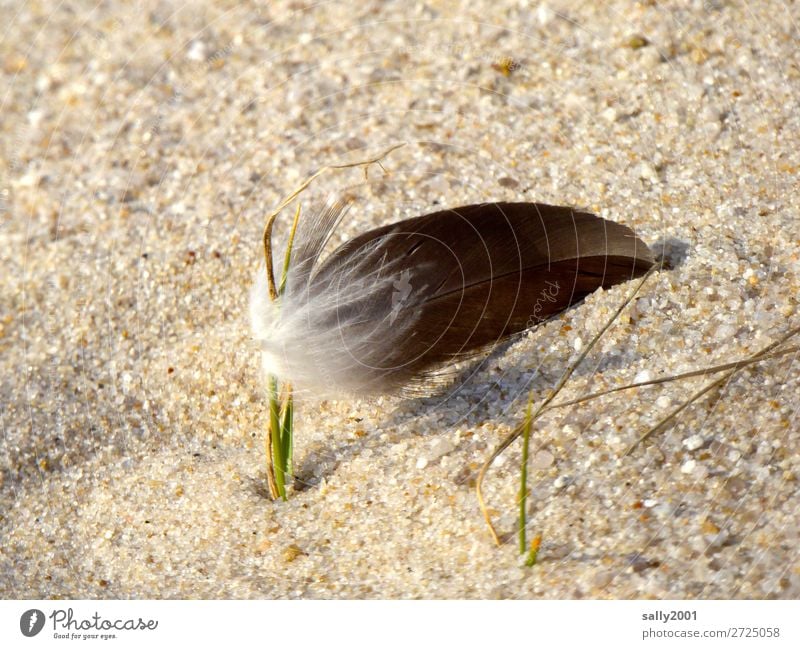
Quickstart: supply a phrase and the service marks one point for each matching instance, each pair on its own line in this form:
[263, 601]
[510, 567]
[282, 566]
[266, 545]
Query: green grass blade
[523, 479]
[280, 419]
[288, 257]
[277, 446]
[287, 440]
[533, 553]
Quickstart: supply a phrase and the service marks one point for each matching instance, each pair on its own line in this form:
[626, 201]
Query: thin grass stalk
[759, 357]
[280, 438]
[523, 479]
[278, 461]
[769, 349]
[287, 437]
[281, 415]
[533, 553]
[271, 483]
[284, 461]
[288, 257]
[510, 439]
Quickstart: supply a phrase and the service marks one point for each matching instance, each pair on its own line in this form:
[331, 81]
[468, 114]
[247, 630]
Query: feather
[384, 310]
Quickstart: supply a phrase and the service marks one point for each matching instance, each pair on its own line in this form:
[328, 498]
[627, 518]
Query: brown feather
[463, 279]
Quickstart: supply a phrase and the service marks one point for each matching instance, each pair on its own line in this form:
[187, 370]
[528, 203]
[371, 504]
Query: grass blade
[288, 258]
[510, 439]
[533, 553]
[279, 439]
[277, 443]
[523, 479]
[287, 439]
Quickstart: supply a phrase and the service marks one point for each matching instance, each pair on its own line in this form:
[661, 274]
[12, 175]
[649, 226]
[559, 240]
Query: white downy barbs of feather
[333, 337]
[308, 339]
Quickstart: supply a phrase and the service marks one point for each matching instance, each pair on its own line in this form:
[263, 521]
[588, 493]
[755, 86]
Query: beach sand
[141, 150]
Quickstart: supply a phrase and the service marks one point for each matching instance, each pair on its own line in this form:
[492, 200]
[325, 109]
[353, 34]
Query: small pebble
[562, 481]
[646, 171]
[197, 51]
[542, 460]
[292, 552]
[694, 442]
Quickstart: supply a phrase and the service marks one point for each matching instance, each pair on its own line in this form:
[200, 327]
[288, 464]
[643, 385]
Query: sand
[140, 152]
